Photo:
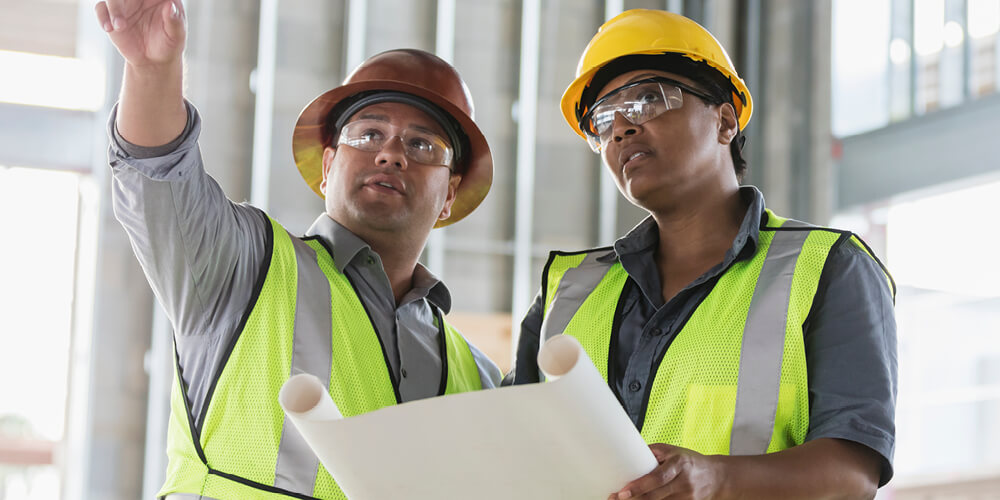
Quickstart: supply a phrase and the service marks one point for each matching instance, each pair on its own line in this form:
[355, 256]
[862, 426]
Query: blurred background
[879, 116]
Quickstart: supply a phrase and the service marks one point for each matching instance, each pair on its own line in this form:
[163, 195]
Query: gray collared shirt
[849, 335]
[201, 254]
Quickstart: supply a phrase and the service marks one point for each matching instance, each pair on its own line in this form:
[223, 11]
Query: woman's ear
[729, 124]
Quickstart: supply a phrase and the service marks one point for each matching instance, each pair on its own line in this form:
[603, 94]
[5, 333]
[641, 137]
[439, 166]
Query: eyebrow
[385, 118]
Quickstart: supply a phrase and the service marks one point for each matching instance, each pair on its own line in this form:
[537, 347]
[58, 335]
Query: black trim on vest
[259, 486]
[442, 349]
[880, 264]
[822, 278]
[544, 293]
[548, 264]
[663, 352]
[262, 272]
[616, 325]
[195, 434]
[385, 354]
[844, 232]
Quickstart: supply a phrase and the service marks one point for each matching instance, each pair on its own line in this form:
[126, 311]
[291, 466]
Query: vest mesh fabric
[692, 399]
[463, 373]
[599, 309]
[243, 423]
[247, 441]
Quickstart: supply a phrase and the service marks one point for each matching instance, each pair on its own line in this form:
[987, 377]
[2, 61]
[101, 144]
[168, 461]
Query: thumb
[173, 20]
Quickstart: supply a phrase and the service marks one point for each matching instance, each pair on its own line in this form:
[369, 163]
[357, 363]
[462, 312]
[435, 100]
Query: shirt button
[634, 386]
[402, 371]
[371, 260]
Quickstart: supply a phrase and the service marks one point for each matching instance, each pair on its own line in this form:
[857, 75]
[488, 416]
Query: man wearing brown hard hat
[395, 152]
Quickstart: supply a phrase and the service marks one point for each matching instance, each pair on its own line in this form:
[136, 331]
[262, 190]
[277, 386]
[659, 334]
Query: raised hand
[146, 32]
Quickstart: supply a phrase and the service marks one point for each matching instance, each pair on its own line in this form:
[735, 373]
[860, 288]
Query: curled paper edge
[304, 397]
[559, 355]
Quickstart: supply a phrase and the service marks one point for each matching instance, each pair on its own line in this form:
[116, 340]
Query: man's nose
[392, 153]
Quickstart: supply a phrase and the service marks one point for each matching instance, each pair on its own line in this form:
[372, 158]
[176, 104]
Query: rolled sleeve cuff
[865, 434]
[158, 162]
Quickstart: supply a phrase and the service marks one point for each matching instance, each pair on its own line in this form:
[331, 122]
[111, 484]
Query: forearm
[151, 110]
[821, 469]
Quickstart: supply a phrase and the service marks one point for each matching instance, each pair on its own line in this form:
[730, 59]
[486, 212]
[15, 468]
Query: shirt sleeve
[200, 251]
[526, 361]
[850, 342]
[489, 372]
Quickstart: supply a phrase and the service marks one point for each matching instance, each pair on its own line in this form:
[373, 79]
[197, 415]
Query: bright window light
[984, 18]
[899, 51]
[928, 23]
[960, 256]
[36, 295]
[953, 34]
[50, 81]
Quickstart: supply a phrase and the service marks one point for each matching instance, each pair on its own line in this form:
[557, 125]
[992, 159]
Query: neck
[699, 230]
[399, 252]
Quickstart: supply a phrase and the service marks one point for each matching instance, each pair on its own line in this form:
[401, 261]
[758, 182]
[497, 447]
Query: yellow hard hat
[644, 31]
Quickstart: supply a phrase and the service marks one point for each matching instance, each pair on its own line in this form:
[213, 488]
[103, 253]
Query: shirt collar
[347, 247]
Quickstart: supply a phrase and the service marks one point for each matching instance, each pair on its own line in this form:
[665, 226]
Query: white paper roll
[304, 397]
[568, 438]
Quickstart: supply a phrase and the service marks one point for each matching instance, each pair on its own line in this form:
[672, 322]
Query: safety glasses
[638, 102]
[421, 146]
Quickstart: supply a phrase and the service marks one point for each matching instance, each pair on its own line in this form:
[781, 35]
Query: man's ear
[328, 154]
[729, 124]
[453, 183]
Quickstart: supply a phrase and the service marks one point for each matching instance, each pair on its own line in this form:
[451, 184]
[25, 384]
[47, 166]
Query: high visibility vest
[305, 316]
[733, 381]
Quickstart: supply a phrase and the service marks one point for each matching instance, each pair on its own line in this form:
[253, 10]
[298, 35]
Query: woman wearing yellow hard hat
[754, 353]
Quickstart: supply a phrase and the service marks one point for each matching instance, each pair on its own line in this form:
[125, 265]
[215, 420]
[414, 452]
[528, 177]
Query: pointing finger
[103, 16]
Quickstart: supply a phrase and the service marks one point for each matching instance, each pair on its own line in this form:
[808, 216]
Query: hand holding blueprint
[565, 438]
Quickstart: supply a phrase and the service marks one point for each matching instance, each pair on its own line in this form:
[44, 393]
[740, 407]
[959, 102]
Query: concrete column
[220, 55]
[792, 108]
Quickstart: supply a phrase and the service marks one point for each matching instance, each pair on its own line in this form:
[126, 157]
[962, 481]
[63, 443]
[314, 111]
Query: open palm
[146, 32]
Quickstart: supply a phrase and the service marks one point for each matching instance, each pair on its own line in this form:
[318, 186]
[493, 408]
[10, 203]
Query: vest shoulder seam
[564, 253]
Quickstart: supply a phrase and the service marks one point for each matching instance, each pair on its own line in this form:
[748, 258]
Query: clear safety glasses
[421, 146]
[638, 102]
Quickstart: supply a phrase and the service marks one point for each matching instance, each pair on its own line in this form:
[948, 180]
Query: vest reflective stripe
[736, 346]
[312, 352]
[763, 345]
[301, 320]
[763, 336]
[574, 288]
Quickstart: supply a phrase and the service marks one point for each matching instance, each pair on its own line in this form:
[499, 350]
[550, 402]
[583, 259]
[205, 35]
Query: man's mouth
[385, 183]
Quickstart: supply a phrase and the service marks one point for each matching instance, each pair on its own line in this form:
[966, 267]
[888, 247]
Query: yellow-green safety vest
[304, 317]
[733, 381]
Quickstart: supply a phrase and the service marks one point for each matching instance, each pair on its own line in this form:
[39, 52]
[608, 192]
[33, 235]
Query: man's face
[385, 190]
[674, 155]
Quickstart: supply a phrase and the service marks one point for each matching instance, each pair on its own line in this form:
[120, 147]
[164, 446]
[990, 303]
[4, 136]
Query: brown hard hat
[413, 72]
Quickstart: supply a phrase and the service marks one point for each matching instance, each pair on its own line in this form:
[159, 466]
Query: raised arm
[150, 35]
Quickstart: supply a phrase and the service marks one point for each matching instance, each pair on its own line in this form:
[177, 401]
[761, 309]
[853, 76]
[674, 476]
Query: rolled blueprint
[306, 400]
[566, 438]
